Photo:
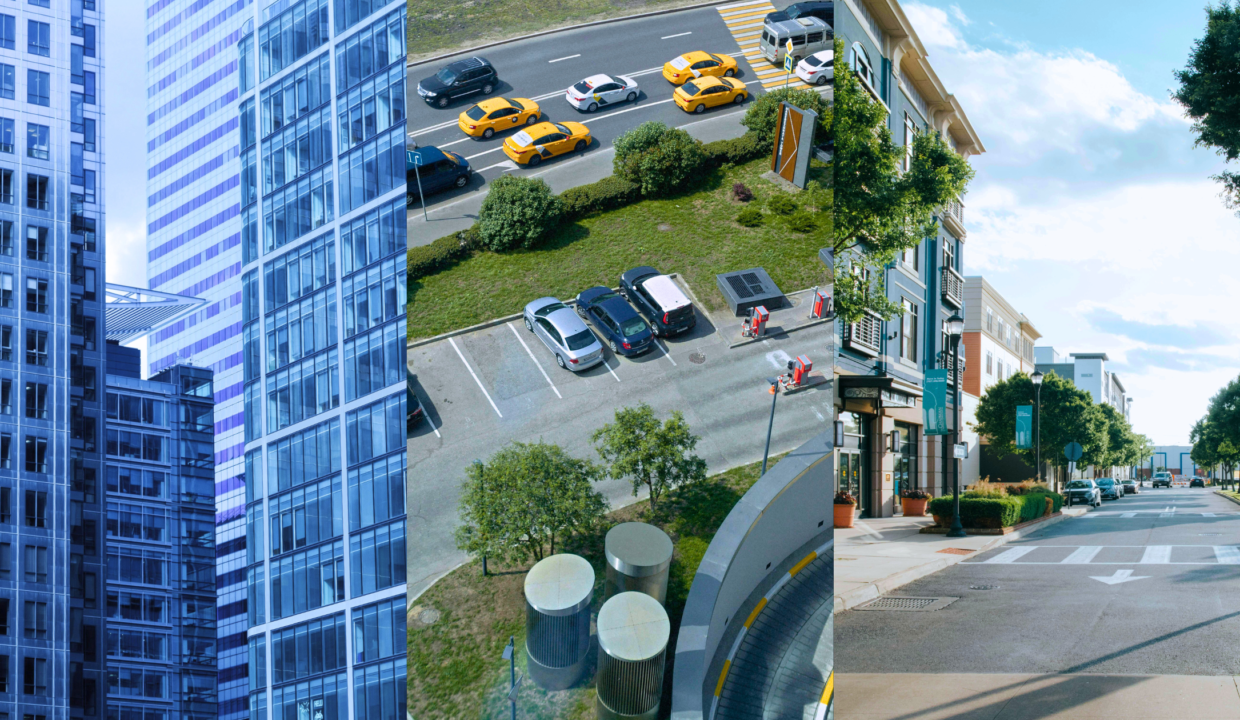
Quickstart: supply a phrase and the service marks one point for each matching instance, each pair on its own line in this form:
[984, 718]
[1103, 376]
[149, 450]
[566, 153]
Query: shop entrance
[854, 470]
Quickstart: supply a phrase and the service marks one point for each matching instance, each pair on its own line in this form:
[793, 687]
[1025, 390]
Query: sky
[124, 136]
[1091, 211]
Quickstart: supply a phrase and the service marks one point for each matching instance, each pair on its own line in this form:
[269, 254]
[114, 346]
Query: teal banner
[1024, 426]
[934, 403]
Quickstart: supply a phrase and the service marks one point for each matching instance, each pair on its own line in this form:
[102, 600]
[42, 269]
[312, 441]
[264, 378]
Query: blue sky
[1091, 211]
[125, 142]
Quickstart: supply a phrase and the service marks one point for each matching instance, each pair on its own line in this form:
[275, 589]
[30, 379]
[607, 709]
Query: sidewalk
[879, 555]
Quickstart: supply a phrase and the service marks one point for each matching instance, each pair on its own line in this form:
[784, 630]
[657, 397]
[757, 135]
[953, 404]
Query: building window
[36, 454]
[373, 361]
[909, 256]
[308, 649]
[377, 558]
[6, 290]
[36, 347]
[36, 192]
[34, 676]
[377, 492]
[36, 508]
[7, 130]
[949, 254]
[369, 51]
[370, 108]
[990, 320]
[36, 295]
[88, 39]
[990, 358]
[36, 243]
[908, 332]
[310, 579]
[36, 400]
[861, 65]
[910, 129]
[35, 564]
[380, 690]
[38, 88]
[34, 620]
[88, 131]
[8, 32]
[6, 237]
[8, 81]
[6, 506]
[306, 21]
[376, 429]
[6, 187]
[38, 38]
[141, 483]
[306, 516]
[379, 630]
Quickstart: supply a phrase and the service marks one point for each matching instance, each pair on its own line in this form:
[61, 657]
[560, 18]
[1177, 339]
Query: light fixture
[895, 441]
[839, 433]
[1036, 377]
[955, 325]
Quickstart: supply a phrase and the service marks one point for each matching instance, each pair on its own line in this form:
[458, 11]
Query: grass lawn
[695, 235]
[455, 665]
[439, 26]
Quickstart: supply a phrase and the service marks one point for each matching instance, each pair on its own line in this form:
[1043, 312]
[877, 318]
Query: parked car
[414, 406]
[808, 35]
[1083, 492]
[497, 115]
[817, 69]
[459, 79]
[697, 95]
[545, 140]
[1197, 482]
[624, 331]
[1130, 487]
[1162, 479]
[659, 300]
[698, 64]
[822, 9]
[565, 335]
[436, 170]
[1110, 489]
[599, 90]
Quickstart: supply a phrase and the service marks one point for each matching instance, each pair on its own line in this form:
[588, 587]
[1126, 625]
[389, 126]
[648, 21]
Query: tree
[1068, 414]
[1124, 447]
[1217, 435]
[662, 160]
[1210, 92]
[518, 212]
[524, 498]
[881, 209]
[763, 113]
[650, 453]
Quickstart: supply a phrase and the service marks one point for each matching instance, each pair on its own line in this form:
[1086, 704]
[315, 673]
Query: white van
[808, 36]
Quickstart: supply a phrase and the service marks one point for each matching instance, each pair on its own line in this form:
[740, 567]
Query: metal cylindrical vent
[633, 630]
[638, 559]
[558, 591]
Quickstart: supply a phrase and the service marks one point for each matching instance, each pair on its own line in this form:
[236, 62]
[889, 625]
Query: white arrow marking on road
[1120, 576]
[570, 57]
[508, 166]
[669, 37]
[778, 359]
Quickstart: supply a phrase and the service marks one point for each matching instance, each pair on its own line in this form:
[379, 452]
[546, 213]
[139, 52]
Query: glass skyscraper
[51, 360]
[276, 192]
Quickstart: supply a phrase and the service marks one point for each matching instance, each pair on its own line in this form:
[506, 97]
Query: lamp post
[1036, 378]
[770, 423]
[955, 328]
[510, 654]
[483, 481]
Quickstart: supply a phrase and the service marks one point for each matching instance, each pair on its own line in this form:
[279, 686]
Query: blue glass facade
[51, 364]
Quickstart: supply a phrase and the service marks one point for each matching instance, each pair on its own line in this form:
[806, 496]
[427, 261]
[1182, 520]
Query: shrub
[429, 259]
[916, 495]
[741, 193]
[843, 498]
[801, 221]
[980, 512]
[736, 151]
[517, 213]
[762, 114]
[607, 194]
[781, 204]
[660, 159]
[750, 217]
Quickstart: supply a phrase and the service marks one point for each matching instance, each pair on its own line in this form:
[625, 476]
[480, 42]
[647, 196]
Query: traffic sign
[413, 158]
[1073, 451]
[787, 63]
[961, 451]
[788, 46]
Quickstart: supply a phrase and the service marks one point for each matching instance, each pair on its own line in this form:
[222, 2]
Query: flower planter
[845, 515]
[915, 507]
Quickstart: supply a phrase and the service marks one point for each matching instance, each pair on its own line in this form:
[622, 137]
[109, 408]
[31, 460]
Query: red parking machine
[798, 376]
[754, 326]
[820, 304]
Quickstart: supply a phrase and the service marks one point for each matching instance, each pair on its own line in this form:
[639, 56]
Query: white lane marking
[1082, 555]
[570, 57]
[1128, 515]
[432, 128]
[1010, 555]
[454, 142]
[613, 372]
[428, 420]
[669, 37]
[744, 25]
[665, 352]
[531, 354]
[507, 165]
[475, 377]
[1120, 576]
[1156, 555]
[1166, 514]
[1227, 554]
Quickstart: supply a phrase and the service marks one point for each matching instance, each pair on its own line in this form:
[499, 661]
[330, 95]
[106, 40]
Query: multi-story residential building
[160, 538]
[276, 158]
[51, 361]
[1088, 371]
[999, 340]
[880, 366]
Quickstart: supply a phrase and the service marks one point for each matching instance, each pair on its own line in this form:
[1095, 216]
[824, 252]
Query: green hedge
[607, 194]
[736, 151]
[993, 512]
[429, 259]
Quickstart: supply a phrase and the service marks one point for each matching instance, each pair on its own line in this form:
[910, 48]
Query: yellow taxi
[698, 64]
[697, 95]
[496, 115]
[546, 140]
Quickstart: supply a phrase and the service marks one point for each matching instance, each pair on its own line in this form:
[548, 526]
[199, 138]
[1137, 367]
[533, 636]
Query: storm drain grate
[983, 587]
[909, 604]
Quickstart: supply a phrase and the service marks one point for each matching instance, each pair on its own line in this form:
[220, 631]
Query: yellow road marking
[754, 615]
[826, 691]
[801, 565]
[719, 686]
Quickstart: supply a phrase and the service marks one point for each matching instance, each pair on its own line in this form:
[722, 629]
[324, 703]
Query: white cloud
[126, 248]
[933, 26]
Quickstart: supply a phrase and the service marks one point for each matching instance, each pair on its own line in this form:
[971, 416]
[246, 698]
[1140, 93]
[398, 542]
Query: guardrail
[782, 512]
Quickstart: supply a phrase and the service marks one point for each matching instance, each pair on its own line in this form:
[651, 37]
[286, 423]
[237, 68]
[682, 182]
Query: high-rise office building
[275, 156]
[51, 365]
[160, 538]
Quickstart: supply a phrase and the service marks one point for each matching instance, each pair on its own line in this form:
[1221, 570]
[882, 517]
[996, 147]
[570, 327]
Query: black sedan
[624, 331]
[414, 405]
[1197, 482]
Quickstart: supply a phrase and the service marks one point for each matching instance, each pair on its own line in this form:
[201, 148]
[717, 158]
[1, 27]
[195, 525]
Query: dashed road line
[472, 374]
[669, 37]
[569, 57]
[531, 354]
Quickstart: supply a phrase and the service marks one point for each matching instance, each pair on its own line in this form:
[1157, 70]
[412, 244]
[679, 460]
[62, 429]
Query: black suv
[824, 11]
[1196, 482]
[657, 297]
[458, 79]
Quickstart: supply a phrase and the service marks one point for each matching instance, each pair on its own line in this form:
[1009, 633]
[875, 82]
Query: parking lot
[484, 389]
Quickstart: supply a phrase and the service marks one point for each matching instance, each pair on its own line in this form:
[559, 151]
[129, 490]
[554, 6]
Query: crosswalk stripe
[750, 3]
[1208, 515]
[1127, 514]
[1156, 554]
[746, 14]
[1165, 514]
[1227, 554]
[1011, 554]
[1082, 555]
[742, 25]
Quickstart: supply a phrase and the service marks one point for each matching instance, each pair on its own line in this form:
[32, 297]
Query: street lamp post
[483, 481]
[770, 423]
[955, 328]
[510, 654]
[1037, 421]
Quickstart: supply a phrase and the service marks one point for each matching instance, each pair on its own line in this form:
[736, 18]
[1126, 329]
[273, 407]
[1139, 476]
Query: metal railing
[865, 334]
[953, 288]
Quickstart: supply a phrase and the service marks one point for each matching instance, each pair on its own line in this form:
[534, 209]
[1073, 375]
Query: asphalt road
[485, 389]
[541, 68]
[1143, 585]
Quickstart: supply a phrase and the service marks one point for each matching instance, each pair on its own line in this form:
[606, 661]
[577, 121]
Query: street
[1143, 585]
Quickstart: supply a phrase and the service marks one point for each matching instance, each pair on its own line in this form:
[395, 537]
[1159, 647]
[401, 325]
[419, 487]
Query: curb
[853, 598]
[1220, 494]
[543, 33]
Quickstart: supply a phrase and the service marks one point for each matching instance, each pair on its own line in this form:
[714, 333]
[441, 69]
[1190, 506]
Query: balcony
[865, 335]
[953, 288]
[952, 216]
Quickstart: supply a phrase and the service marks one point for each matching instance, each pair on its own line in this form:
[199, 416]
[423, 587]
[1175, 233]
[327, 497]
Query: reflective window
[370, 108]
[372, 169]
[300, 329]
[375, 296]
[291, 35]
[306, 516]
[377, 558]
[306, 88]
[304, 456]
[309, 579]
[375, 360]
[376, 429]
[373, 237]
[379, 691]
[310, 648]
[377, 491]
[370, 50]
[303, 390]
[300, 271]
[379, 630]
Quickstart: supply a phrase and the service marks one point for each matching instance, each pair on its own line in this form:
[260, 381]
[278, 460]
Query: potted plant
[914, 502]
[845, 509]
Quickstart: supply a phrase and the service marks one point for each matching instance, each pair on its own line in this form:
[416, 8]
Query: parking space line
[531, 354]
[429, 421]
[665, 352]
[1008, 556]
[613, 372]
[1156, 555]
[474, 376]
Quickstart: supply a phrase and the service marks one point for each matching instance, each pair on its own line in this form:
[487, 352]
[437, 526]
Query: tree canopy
[1210, 92]
[1216, 436]
[650, 453]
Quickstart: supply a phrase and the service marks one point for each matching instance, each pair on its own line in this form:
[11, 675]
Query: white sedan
[817, 69]
[599, 90]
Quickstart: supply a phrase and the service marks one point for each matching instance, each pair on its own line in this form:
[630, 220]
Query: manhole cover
[664, 227]
[909, 604]
[983, 587]
[956, 551]
[697, 358]
[428, 617]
